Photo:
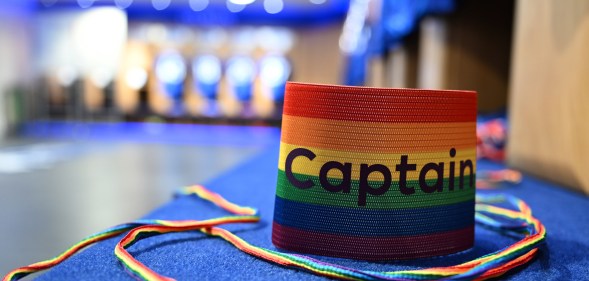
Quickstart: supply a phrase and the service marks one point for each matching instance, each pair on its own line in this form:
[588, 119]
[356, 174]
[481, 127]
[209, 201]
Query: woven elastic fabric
[375, 173]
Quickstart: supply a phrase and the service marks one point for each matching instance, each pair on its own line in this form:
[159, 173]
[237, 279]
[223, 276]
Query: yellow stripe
[302, 165]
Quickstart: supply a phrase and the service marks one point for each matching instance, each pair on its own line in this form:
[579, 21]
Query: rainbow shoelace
[517, 220]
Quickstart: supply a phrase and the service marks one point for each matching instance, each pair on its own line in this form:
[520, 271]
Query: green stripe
[392, 199]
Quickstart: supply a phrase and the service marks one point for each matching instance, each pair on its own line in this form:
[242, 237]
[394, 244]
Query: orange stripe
[377, 136]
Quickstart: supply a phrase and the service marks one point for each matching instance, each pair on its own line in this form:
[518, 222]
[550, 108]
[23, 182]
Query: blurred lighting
[160, 4]
[234, 8]
[244, 40]
[274, 70]
[354, 29]
[181, 34]
[99, 36]
[241, 70]
[123, 4]
[198, 5]
[275, 40]
[242, 2]
[170, 67]
[101, 77]
[48, 3]
[273, 6]
[266, 37]
[157, 33]
[285, 40]
[66, 75]
[85, 3]
[214, 38]
[136, 78]
[207, 69]
[317, 1]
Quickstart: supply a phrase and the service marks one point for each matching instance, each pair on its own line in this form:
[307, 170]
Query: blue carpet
[193, 256]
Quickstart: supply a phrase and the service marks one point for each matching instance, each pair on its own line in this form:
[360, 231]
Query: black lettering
[451, 176]
[439, 185]
[346, 170]
[288, 167]
[463, 166]
[402, 168]
[365, 171]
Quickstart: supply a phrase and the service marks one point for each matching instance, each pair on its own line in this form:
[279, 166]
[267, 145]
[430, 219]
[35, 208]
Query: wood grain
[549, 94]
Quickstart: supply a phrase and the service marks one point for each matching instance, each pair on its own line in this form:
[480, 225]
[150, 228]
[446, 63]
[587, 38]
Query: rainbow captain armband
[376, 174]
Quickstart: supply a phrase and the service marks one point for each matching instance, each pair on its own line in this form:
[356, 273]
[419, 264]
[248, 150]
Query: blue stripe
[367, 222]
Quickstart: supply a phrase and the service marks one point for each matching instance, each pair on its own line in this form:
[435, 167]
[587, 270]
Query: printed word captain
[366, 187]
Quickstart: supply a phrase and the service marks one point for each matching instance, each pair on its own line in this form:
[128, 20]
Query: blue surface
[235, 136]
[193, 256]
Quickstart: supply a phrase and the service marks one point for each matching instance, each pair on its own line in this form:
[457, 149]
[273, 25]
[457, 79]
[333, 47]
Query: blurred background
[106, 100]
[226, 61]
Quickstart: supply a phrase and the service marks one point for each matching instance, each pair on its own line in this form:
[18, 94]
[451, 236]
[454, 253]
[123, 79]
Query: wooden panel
[549, 98]
[316, 57]
[433, 49]
[401, 63]
[469, 49]
[480, 40]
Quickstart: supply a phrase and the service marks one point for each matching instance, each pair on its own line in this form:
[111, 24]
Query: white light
[234, 8]
[214, 38]
[198, 5]
[241, 70]
[66, 75]
[274, 70]
[99, 36]
[273, 6]
[157, 33]
[85, 3]
[160, 4]
[242, 2]
[244, 40]
[101, 77]
[123, 4]
[317, 1]
[207, 69]
[170, 68]
[354, 28]
[286, 39]
[136, 78]
[275, 40]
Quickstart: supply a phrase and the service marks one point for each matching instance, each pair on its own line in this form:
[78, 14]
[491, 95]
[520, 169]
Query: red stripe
[372, 248]
[379, 104]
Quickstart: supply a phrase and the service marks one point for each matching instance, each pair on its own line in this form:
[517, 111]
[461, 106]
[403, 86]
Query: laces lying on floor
[518, 221]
